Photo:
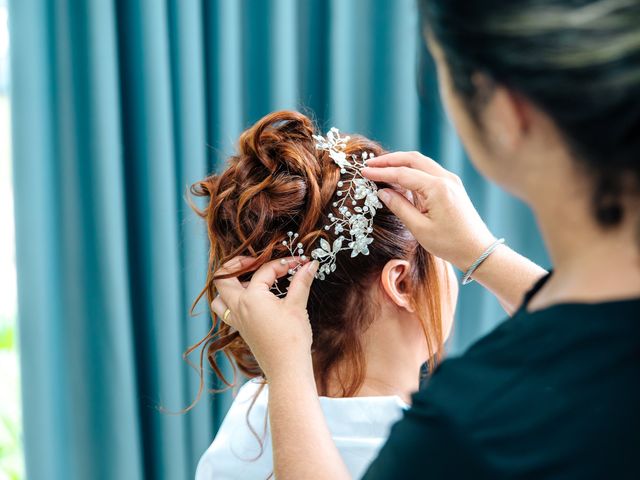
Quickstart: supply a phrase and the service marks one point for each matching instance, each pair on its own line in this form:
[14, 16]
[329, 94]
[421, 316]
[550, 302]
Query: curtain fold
[118, 106]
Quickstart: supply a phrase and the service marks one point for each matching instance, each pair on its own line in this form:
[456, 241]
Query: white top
[359, 427]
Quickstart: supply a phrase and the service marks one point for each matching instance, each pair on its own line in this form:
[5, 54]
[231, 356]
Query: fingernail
[384, 196]
[313, 267]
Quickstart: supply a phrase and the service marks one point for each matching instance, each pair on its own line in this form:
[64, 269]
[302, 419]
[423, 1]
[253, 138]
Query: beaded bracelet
[474, 266]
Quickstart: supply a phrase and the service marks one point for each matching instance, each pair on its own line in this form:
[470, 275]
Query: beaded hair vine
[357, 203]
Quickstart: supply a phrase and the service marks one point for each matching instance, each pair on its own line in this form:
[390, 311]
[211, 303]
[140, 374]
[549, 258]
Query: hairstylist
[545, 95]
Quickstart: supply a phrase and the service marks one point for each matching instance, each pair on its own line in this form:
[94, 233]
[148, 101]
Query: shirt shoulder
[529, 398]
[358, 425]
[241, 448]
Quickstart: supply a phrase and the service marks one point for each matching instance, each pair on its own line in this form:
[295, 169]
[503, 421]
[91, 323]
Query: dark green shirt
[553, 394]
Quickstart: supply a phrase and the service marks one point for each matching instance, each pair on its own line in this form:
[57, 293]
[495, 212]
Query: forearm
[508, 275]
[302, 444]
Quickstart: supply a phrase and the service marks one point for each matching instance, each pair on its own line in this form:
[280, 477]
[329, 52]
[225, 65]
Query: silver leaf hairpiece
[357, 203]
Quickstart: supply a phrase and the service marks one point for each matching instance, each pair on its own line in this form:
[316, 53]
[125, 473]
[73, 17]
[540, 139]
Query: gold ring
[225, 315]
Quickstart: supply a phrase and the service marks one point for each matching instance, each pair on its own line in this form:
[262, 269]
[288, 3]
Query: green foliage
[10, 449]
[7, 336]
[11, 463]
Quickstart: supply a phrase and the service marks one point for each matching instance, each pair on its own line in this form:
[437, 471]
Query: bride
[381, 309]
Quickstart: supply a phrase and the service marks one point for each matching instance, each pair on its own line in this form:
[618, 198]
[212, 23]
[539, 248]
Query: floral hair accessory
[357, 202]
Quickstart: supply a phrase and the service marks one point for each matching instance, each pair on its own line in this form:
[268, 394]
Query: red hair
[276, 183]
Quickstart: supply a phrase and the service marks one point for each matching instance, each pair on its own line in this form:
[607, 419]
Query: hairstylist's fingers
[298, 292]
[236, 264]
[413, 160]
[406, 177]
[219, 307]
[406, 211]
[231, 288]
[267, 274]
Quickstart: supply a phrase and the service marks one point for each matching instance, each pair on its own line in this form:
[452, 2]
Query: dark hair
[577, 60]
[276, 183]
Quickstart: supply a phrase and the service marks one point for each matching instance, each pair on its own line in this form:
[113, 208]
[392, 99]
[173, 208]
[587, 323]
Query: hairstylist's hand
[277, 330]
[441, 217]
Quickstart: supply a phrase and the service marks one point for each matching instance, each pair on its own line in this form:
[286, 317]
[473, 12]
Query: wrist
[496, 266]
[467, 277]
[474, 249]
[291, 365]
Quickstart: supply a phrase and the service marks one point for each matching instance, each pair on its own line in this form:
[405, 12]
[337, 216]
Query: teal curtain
[119, 105]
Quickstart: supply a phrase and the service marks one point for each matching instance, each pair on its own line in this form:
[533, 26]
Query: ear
[394, 283]
[506, 115]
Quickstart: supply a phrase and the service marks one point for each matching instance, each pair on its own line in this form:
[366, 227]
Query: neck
[394, 351]
[392, 370]
[591, 263]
